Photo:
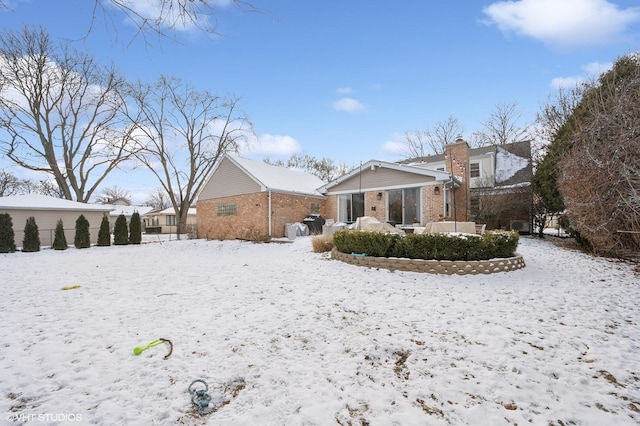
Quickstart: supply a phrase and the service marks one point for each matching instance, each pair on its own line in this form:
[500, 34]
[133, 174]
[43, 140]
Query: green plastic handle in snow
[138, 350]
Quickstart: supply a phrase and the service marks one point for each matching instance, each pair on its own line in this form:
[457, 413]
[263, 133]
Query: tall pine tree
[7, 236]
[82, 238]
[60, 239]
[121, 231]
[31, 240]
[104, 234]
[135, 229]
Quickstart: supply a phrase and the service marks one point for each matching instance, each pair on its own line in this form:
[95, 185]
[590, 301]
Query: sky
[346, 80]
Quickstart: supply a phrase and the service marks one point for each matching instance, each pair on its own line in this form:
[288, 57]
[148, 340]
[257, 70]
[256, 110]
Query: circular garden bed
[446, 267]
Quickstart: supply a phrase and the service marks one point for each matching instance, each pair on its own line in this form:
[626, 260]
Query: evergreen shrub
[490, 245]
[82, 238]
[135, 229]
[121, 231]
[7, 236]
[31, 240]
[104, 234]
[59, 239]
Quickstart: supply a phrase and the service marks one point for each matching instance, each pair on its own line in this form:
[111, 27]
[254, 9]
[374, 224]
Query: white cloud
[564, 23]
[158, 14]
[396, 145]
[567, 82]
[591, 71]
[348, 105]
[274, 145]
[594, 69]
[344, 90]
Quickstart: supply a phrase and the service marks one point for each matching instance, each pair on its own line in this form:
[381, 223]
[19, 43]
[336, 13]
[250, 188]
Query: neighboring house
[165, 221]
[500, 176]
[252, 199]
[47, 211]
[127, 211]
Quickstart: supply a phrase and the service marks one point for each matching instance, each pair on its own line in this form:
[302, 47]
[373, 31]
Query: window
[403, 205]
[171, 220]
[315, 208]
[474, 205]
[228, 209]
[474, 170]
[350, 207]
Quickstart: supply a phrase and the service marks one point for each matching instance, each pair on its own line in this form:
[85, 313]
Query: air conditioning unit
[522, 226]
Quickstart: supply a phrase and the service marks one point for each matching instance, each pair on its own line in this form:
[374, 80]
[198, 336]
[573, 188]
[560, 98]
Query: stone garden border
[445, 267]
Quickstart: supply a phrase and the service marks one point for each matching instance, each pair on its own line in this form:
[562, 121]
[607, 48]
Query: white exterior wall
[47, 221]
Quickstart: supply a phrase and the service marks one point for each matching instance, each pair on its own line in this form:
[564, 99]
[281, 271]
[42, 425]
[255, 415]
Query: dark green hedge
[490, 245]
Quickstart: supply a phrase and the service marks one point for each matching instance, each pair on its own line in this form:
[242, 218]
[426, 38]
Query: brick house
[402, 194]
[251, 199]
[500, 191]
[488, 185]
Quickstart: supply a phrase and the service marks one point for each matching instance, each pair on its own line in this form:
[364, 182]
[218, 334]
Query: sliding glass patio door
[403, 205]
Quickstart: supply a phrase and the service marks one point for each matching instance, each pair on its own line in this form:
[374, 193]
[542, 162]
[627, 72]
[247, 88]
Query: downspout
[270, 218]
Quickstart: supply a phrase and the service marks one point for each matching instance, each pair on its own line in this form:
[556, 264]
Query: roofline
[437, 174]
[306, 194]
[88, 209]
[263, 187]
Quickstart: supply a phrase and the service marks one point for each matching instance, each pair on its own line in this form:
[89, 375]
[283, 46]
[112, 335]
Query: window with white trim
[474, 170]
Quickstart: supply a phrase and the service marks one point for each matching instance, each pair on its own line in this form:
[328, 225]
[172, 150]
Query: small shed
[47, 211]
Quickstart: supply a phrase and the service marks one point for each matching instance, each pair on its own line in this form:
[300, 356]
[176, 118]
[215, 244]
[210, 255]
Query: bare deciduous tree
[556, 111]
[181, 133]
[163, 16]
[502, 127]
[113, 194]
[10, 184]
[60, 112]
[159, 200]
[46, 187]
[422, 143]
[323, 168]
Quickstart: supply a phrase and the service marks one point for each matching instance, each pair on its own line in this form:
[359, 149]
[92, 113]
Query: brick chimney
[457, 157]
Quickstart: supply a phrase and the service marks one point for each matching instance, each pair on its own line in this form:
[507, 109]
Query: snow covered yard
[285, 336]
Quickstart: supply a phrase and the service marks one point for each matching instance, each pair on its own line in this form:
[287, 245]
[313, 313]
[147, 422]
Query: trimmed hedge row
[490, 245]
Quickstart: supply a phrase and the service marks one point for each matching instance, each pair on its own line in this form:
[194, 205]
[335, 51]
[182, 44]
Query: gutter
[269, 216]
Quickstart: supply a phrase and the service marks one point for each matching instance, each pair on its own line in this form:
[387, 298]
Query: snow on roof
[170, 210]
[280, 178]
[44, 202]
[128, 210]
[508, 164]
